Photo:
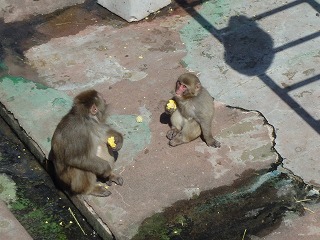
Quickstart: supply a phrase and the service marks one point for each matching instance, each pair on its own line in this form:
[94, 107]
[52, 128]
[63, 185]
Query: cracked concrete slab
[160, 175]
[247, 143]
[284, 83]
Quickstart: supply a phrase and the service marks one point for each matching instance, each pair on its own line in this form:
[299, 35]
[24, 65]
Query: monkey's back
[71, 138]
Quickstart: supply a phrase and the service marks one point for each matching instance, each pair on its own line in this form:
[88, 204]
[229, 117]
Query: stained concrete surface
[10, 228]
[13, 11]
[246, 56]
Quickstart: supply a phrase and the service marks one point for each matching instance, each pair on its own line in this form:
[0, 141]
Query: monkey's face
[180, 89]
[186, 90]
[187, 86]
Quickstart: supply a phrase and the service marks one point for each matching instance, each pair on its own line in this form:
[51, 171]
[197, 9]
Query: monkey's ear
[93, 109]
[198, 86]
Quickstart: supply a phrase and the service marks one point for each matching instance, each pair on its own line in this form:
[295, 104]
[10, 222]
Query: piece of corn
[139, 119]
[111, 142]
[171, 104]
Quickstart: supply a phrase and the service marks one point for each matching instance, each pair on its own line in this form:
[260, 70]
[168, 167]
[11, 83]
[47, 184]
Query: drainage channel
[25, 186]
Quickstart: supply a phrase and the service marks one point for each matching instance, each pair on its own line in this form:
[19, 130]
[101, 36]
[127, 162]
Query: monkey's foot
[172, 143]
[175, 142]
[214, 143]
[100, 191]
[116, 179]
[172, 133]
[109, 182]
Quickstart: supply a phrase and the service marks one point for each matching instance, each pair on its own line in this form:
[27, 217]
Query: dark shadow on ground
[229, 211]
[283, 94]
[249, 50]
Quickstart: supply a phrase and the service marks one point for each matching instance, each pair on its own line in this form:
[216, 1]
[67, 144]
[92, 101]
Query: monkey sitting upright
[78, 148]
[193, 114]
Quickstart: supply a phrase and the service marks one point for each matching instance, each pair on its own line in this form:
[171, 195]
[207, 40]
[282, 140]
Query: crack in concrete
[272, 132]
[280, 159]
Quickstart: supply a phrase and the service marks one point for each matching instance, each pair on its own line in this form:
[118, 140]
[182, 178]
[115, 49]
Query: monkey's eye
[179, 84]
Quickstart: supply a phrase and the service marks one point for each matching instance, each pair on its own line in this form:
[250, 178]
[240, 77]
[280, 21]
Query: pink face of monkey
[180, 89]
[186, 89]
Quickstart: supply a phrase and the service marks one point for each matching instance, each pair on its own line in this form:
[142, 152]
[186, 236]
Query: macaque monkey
[193, 113]
[79, 148]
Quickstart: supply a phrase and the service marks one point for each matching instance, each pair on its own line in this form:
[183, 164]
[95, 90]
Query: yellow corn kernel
[139, 119]
[171, 104]
[111, 142]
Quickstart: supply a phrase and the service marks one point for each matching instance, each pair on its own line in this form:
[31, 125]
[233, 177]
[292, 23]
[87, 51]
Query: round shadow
[165, 118]
[248, 49]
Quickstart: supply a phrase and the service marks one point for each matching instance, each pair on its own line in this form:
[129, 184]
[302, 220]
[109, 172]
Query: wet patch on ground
[36, 203]
[252, 206]
[20, 36]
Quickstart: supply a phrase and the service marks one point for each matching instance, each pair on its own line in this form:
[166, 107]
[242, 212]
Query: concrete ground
[10, 228]
[259, 60]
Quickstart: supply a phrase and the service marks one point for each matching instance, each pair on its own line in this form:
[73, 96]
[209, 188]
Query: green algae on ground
[48, 105]
[61, 102]
[211, 15]
[36, 219]
[21, 204]
[237, 129]
[3, 69]
[154, 228]
[38, 205]
[46, 224]
[136, 135]
[3, 66]
[21, 80]
[37, 216]
[259, 153]
[253, 204]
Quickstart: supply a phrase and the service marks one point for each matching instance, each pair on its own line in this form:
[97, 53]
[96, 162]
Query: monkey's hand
[114, 140]
[111, 142]
[114, 178]
[170, 107]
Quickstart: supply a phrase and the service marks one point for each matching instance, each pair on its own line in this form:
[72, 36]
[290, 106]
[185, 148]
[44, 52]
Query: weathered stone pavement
[260, 61]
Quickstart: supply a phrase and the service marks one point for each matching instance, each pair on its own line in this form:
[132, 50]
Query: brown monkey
[78, 148]
[193, 114]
